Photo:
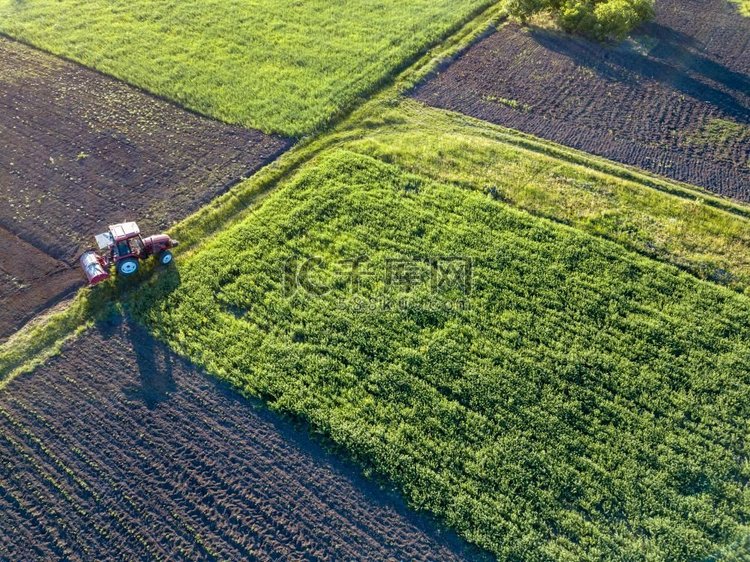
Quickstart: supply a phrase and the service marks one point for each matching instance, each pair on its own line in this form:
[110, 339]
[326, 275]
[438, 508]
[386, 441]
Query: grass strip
[669, 223]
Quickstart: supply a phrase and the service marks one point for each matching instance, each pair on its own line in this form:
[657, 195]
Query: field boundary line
[43, 338]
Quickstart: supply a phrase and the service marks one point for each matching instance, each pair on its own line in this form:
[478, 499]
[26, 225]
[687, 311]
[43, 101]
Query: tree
[523, 9]
[614, 19]
[601, 19]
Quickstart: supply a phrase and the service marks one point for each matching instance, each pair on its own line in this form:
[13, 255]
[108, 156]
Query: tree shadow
[679, 49]
[673, 60]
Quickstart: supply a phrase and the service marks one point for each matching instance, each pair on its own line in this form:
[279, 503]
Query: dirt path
[675, 100]
[79, 150]
[117, 449]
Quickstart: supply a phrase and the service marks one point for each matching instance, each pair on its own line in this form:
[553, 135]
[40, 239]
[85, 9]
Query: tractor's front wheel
[127, 267]
[166, 257]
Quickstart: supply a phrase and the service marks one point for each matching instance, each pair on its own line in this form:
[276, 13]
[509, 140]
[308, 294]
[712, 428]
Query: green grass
[708, 236]
[579, 402]
[744, 6]
[513, 104]
[281, 66]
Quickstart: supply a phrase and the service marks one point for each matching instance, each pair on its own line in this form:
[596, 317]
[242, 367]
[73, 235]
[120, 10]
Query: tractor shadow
[152, 359]
[154, 362]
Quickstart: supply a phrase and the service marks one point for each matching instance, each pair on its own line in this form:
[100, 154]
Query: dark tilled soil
[79, 151]
[30, 281]
[651, 101]
[119, 450]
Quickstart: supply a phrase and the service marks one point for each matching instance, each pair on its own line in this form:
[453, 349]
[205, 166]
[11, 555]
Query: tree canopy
[601, 19]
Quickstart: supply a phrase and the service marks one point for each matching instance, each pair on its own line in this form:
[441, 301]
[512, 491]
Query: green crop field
[692, 229]
[281, 66]
[558, 398]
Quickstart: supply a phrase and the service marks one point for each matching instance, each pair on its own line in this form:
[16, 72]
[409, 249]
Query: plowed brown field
[30, 281]
[117, 449]
[674, 99]
[79, 150]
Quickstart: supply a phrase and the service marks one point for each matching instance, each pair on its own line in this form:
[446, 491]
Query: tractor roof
[124, 231]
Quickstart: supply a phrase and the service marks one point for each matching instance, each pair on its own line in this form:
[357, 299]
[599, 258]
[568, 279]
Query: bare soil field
[674, 99]
[79, 150]
[30, 281]
[117, 449]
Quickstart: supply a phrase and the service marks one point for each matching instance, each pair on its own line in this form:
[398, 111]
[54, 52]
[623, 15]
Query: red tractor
[123, 247]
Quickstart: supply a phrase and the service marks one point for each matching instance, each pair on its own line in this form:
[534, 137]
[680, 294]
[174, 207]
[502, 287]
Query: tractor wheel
[165, 258]
[127, 267]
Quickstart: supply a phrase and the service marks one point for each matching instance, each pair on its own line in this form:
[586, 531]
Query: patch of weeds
[641, 44]
[513, 104]
[411, 184]
[721, 276]
[720, 134]
[544, 20]
[496, 194]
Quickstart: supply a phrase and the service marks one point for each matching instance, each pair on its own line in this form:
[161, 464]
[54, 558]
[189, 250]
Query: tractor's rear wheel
[127, 266]
[166, 257]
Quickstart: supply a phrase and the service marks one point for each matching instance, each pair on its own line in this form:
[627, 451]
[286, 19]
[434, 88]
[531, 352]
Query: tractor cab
[125, 240]
[124, 247]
